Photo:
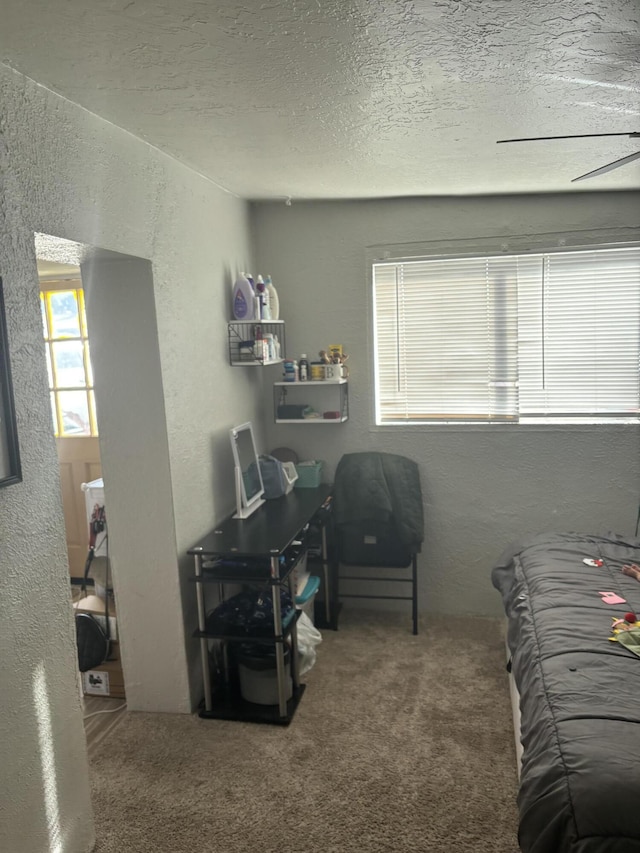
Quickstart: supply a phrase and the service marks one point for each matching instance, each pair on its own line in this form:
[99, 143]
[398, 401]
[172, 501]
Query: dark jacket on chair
[380, 492]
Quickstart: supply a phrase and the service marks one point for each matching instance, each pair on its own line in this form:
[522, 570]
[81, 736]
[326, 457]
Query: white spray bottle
[274, 302]
[263, 294]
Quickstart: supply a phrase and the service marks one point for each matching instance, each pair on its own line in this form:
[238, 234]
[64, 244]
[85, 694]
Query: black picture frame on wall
[10, 470]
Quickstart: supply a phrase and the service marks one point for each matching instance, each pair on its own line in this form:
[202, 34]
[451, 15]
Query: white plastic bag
[308, 639]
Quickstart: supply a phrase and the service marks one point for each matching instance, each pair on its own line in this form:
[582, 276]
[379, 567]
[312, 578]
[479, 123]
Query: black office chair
[379, 519]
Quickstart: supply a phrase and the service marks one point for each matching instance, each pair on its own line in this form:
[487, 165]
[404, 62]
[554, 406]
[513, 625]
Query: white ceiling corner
[351, 98]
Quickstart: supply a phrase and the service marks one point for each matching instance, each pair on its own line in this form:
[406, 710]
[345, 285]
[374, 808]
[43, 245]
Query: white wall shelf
[321, 395]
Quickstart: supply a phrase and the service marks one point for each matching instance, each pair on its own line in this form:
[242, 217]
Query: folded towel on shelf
[293, 412]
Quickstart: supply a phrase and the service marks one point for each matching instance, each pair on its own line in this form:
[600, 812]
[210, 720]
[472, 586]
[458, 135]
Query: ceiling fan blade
[609, 167]
[573, 136]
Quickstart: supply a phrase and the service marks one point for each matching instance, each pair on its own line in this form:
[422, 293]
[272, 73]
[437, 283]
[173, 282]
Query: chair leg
[414, 587]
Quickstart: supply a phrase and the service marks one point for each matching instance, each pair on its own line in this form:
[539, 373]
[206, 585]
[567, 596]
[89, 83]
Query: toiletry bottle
[243, 299]
[271, 347]
[290, 370]
[259, 343]
[257, 313]
[303, 368]
[263, 295]
[274, 302]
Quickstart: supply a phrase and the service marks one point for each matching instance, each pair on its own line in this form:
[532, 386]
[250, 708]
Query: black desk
[269, 532]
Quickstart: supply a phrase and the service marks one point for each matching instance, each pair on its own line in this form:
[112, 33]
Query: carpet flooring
[400, 743]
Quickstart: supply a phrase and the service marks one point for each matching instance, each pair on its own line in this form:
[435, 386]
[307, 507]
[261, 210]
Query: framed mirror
[10, 471]
[248, 479]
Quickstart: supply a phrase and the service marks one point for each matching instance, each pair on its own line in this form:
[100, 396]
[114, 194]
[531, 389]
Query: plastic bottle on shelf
[260, 348]
[243, 299]
[257, 313]
[303, 367]
[291, 370]
[271, 346]
[263, 296]
[274, 302]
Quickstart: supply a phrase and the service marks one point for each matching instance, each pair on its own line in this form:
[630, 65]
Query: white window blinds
[508, 338]
[579, 329]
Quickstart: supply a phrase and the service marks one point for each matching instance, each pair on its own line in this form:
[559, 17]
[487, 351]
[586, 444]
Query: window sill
[526, 426]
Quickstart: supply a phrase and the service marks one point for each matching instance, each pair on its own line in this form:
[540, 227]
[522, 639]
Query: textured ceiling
[351, 98]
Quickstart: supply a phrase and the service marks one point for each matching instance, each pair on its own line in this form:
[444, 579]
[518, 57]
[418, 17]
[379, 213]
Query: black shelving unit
[228, 554]
[322, 559]
[231, 706]
[229, 703]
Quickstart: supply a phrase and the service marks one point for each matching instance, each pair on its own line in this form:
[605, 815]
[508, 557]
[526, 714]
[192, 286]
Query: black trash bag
[249, 613]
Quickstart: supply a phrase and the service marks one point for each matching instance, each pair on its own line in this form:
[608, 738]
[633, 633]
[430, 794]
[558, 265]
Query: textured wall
[44, 783]
[482, 486]
[67, 173]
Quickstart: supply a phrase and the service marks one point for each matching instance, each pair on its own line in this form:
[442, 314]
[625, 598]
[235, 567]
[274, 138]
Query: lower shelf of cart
[310, 420]
[268, 639]
[237, 708]
[243, 637]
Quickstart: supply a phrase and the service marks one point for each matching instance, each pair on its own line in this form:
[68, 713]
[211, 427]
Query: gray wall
[66, 173]
[483, 486]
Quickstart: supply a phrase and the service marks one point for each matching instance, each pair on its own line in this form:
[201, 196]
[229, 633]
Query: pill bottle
[303, 368]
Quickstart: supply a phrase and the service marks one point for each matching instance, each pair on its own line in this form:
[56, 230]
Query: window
[68, 362]
[551, 337]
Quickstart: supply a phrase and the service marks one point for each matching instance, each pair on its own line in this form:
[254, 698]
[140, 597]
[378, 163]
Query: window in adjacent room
[552, 337]
[68, 361]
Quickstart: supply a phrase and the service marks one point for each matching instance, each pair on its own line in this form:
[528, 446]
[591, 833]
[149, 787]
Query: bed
[579, 692]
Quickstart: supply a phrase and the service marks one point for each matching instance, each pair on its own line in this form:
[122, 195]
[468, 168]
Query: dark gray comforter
[579, 692]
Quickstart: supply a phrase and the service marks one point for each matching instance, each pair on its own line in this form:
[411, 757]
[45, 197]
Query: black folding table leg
[414, 586]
